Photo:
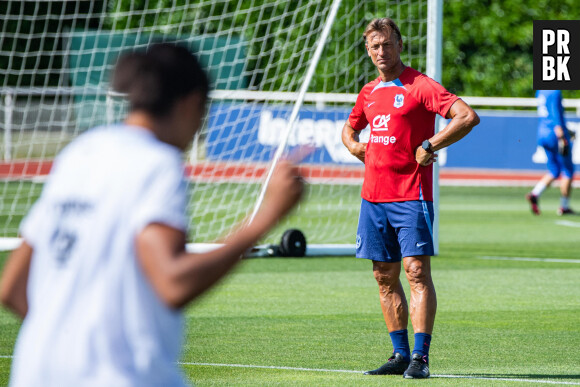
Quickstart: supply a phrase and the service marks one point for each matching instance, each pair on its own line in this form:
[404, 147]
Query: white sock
[564, 202]
[539, 188]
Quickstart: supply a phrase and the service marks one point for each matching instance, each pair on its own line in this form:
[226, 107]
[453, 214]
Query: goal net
[55, 58]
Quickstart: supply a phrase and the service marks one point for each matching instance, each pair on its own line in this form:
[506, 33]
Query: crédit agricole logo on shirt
[381, 124]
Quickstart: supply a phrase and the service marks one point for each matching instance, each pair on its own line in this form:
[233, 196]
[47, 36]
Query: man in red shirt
[396, 218]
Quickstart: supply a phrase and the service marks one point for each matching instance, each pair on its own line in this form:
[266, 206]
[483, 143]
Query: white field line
[554, 260]
[567, 223]
[535, 381]
[492, 183]
[270, 367]
[360, 372]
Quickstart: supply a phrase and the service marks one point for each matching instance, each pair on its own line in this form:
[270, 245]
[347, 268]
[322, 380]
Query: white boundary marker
[528, 259]
[535, 381]
[567, 223]
[361, 372]
[270, 367]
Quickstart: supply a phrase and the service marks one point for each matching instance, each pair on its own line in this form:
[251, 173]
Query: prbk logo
[380, 123]
[556, 54]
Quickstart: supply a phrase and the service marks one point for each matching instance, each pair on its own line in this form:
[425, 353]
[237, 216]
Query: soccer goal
[284, 75]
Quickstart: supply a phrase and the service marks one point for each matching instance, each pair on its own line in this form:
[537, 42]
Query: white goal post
[54, 86]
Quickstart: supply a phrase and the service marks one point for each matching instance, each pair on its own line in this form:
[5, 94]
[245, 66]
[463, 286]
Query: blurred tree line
[282, 36]
[487, 44]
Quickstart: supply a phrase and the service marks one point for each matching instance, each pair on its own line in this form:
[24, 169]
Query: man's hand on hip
[358, 149]
[424, 158]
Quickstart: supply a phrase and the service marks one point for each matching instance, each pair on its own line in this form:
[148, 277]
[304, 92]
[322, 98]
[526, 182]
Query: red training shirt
[401, 114]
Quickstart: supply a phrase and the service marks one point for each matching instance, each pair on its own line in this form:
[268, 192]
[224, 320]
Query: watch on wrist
[426, 145]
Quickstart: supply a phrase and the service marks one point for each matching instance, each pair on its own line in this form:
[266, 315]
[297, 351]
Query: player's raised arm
[350, 140]
[463, 119]
[179, 277]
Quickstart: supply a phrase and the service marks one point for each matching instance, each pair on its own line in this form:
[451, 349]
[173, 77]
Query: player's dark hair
[384, 24]
[155, 79]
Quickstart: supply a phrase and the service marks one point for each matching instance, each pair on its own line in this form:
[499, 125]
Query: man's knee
[387, 275]
[418, 272]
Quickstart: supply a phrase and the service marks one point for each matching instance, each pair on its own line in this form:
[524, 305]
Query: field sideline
[213, 171]
[508, 286]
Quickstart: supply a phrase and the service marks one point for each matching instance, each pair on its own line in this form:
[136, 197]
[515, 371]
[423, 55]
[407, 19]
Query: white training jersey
[94, 318]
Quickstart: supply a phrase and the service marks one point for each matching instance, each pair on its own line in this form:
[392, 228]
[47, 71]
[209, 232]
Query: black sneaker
[396, 365]
[533, 200]
[418, 369]
[565, 211]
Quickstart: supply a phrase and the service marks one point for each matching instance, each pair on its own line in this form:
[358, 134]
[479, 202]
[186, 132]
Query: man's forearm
[350, 141]
[449, 135]
[15, 280]
[348, 136]
[463, 120]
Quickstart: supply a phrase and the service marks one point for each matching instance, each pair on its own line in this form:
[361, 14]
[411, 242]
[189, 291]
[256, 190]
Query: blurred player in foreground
[102, 275]
[555, 138]
[396, 215]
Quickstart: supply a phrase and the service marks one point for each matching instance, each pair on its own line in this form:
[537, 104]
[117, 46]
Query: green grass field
[308, 321]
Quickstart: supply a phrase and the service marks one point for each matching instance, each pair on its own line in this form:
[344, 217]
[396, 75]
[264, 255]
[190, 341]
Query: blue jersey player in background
[555, 138]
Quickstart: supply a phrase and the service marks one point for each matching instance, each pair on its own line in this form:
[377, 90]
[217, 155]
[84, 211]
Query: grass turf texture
[496, 319]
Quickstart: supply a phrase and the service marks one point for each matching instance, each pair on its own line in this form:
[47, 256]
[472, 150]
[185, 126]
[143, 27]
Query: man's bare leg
[565, 191]
[565, 186]
[534, 196]
[396, 314]
[423, 302]
[392, 295]
[423, 306]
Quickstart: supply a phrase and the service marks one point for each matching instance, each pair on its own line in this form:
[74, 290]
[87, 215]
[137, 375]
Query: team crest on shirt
[399, 100]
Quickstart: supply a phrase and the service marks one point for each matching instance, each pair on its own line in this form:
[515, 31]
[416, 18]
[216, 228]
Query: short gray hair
[384, 24]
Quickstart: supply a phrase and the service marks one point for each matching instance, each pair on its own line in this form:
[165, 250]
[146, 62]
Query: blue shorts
[387, 232]
[557, 163]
